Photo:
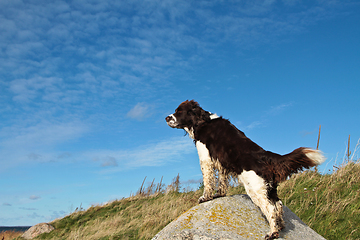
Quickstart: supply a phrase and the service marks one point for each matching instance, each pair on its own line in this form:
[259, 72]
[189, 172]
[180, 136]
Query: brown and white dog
[224, 148]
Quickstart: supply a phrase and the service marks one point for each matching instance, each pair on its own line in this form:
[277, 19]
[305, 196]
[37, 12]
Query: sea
[16, 229]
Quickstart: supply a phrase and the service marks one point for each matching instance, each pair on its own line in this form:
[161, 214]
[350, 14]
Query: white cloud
[34, 197]
[139, 112]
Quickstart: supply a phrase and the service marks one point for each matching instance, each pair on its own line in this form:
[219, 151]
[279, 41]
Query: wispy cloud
[25, 90]
[40, 135]
[37, 142]
[109, 53]
[109, 162]
[69, 61]
[274, 110]
[139, 112]
[28, 209]
[253, 125]
[35, 215]
[34, 197]
[155, 154]
[161, 36]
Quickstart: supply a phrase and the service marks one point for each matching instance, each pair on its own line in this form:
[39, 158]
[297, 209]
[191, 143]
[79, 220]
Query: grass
[10, 234]
[329, 204]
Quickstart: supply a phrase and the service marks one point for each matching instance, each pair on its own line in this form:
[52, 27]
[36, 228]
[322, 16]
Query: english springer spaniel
[225, 149]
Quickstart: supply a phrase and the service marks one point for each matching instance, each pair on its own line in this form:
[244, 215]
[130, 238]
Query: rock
[37, 229]
[233, 217]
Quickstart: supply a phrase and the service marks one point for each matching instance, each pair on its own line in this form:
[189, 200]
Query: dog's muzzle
[171, 121]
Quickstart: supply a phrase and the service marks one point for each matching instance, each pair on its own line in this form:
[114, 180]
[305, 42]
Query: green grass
[329, 204]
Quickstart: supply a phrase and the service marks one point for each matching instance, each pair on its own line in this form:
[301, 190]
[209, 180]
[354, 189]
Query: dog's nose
[168, 118]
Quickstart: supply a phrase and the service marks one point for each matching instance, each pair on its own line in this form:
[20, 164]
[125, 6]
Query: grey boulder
[37, 229]
[233, 217]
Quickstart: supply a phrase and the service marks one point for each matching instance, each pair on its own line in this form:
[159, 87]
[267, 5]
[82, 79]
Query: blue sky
[85, 87]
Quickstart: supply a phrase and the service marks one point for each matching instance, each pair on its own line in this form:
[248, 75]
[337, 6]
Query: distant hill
[15, 229]
[12, 232]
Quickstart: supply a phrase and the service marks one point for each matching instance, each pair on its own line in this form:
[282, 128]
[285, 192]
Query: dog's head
[188, 115]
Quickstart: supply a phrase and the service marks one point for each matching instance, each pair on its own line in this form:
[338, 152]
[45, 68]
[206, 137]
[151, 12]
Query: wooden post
[348, 150]
[317, 145]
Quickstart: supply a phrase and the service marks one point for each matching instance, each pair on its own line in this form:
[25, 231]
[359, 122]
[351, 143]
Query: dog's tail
[296, 161]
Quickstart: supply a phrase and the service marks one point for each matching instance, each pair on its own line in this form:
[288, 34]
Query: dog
[225, 149]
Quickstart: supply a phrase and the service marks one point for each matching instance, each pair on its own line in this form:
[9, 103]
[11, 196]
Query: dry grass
[7, 235]
[137, 217]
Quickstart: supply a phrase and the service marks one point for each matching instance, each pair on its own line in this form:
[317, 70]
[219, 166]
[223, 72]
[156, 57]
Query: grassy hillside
[330, 204]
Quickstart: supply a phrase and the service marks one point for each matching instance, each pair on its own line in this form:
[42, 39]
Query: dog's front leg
[223, 181]
[207, 169]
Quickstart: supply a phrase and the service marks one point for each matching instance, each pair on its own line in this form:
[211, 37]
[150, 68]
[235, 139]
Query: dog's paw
[218, 195]
[204, 199]
[281, 225]
[271, 236]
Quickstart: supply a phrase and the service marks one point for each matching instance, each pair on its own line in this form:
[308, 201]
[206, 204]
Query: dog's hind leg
[279, 215]
[273, 196]
[207, 169]
[257, 190]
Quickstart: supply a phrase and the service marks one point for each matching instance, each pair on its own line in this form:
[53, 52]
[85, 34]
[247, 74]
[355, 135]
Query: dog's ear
[193, 104]
[201, 114]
